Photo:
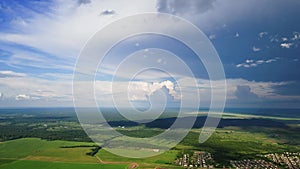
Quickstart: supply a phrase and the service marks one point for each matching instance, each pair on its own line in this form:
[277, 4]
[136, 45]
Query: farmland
[56, 140]
[37, 153]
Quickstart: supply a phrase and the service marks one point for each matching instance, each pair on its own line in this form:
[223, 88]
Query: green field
[229, 143]
[164, 160]
[238, 137]
[36, 153]
[30, 148]
[21, 164]
[233, 143]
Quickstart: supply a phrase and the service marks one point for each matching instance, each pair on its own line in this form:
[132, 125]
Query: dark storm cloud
[244, 93]
[83, 2]
[108, 12]
[181, 7]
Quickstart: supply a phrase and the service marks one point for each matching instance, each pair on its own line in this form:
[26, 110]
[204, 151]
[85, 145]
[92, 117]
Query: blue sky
[257, 41]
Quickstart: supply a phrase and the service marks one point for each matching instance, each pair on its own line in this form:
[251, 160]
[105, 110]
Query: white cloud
[22, 97]
[260, 61]
[270, 60]
[252, 63]
[284, 39]
[264, 91]
[1, 96]
[249, 61]
[296, 36]
[27, 58]
[68, 27]
[18, 88]
[8, 73]
[286, 45]
[143, 90]
[262, 34]
[237, 35]
[239, 65]
[245, 65]
[212, 37]
[73, 22]
[255, 49]
[48, 92]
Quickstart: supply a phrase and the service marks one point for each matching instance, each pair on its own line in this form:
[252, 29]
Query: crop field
[21, 164]
[229, 143]
[36, 153]
[41, 140]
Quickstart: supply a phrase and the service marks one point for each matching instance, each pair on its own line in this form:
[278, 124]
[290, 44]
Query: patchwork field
[238, 137]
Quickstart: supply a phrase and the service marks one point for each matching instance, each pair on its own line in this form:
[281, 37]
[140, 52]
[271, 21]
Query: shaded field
[5, 161]
[235, 143]
[227, 143]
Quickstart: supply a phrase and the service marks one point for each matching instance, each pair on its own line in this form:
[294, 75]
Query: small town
[252, 164]
[287, 159]
[202, 159]
[199, 159]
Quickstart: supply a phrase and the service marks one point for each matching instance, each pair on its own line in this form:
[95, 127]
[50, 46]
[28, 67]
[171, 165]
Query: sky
[257, 42]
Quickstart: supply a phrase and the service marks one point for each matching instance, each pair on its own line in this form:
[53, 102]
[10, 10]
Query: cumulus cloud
[244, 93]
[49, 93]
[168, 85]
[262, 34]
[286, 45]
[22, 97]
[249, 61]
[257, 91]
[296, 36]
[141, 91]
[8, 73]
[284, 39]
[255, 49]
[73, 22]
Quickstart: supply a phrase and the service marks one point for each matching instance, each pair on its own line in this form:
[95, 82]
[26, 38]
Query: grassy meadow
[35, 153]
